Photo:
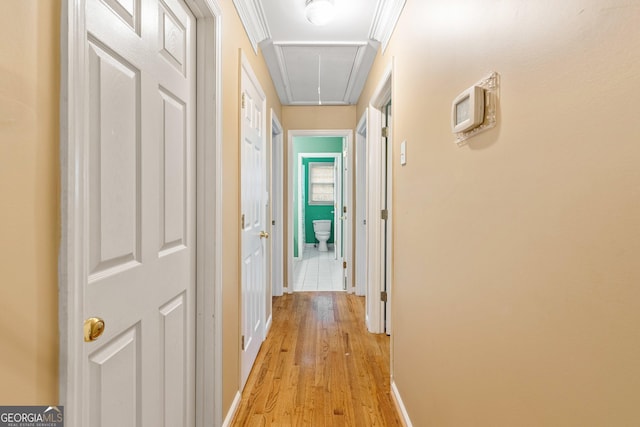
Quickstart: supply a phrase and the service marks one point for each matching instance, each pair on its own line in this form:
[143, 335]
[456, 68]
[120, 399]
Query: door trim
[360, 250]
[376, 260]
[277, 207]
[337, 159]
[348, 203]
[347, 135]
[74, 174]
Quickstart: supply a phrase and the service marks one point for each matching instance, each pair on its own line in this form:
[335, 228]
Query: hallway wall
[234, 40]
[515, 273]
[29, 185]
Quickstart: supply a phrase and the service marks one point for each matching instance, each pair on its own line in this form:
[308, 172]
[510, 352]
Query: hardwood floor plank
[319, 367]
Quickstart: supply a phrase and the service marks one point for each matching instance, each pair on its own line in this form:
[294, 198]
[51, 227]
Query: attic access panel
[328, 67]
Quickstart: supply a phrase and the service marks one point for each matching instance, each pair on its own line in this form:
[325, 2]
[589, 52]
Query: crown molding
[277, 70]
[362, 65]
[385, 20]
[254, 21]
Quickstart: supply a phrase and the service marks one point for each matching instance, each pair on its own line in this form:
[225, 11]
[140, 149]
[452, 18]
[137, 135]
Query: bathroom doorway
[318, 192]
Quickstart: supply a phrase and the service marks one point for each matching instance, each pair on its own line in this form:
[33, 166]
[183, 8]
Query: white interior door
[376, 227]
[140, 214]
[254, 200]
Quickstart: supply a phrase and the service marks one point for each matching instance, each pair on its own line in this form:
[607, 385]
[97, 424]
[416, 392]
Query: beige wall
[516, 297]
[29, 185]
[234, 40]
[318, 117]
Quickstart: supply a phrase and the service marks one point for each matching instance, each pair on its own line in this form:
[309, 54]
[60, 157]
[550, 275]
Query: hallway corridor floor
[319, 367]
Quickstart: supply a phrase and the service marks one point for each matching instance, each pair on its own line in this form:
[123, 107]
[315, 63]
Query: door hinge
[383, 296]
[344, 264]
[243, 343]
[385, 132]
[244, 103]
[242, 222]
[384, 214]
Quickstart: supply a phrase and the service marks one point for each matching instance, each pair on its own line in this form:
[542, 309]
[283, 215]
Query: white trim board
[254, 21]
[385, 21]
[397, 399]
[277, 206]
[209, 203]
[349, 222]
[232, 410]
[359, 214]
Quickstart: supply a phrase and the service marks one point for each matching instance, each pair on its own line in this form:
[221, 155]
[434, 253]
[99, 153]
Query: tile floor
[317, 271]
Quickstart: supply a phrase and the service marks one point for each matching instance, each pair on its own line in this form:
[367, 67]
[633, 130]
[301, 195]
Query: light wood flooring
[319, 367]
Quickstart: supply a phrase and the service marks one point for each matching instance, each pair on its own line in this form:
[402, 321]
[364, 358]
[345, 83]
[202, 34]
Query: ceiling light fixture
[319, 12]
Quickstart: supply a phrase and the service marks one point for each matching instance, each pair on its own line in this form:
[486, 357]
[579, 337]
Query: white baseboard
[268, 326]
[232, 411]
[401, 408]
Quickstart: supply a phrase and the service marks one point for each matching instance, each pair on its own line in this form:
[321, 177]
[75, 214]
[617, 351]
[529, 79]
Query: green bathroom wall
[308, 144]
[315, 211]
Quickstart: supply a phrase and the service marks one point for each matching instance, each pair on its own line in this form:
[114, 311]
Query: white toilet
[322, 229]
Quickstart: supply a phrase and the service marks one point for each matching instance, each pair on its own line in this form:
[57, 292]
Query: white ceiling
[312, 65]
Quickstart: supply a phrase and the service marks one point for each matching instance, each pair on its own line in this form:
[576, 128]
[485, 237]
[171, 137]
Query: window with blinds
[321, 184]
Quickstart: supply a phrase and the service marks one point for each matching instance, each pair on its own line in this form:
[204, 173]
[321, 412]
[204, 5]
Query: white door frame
[73, 265]
[337, 159]
[277, 208]
[359, 214]
[349, 215]
[347, 135]
[377, 261]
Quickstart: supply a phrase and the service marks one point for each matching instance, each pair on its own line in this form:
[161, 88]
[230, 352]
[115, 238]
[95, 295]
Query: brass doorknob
[93, 328]
[264, 235]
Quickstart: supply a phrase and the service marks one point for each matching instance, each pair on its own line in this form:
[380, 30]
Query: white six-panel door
[140, 225]
[253, 221]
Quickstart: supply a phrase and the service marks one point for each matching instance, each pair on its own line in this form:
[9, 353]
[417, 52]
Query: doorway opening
[374, 215]
[319, 233]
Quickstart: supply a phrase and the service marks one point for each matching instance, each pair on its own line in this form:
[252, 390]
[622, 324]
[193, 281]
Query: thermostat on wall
[467, 110]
